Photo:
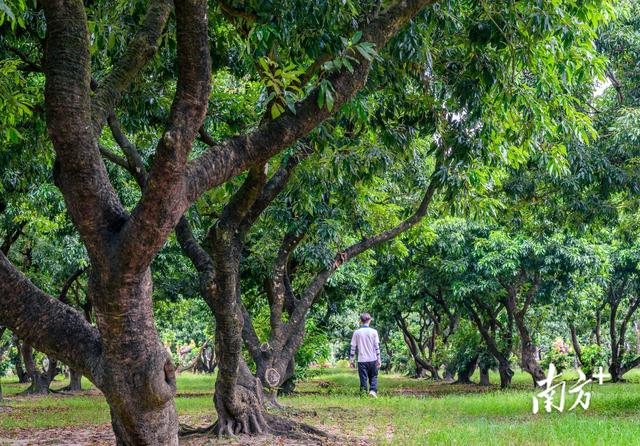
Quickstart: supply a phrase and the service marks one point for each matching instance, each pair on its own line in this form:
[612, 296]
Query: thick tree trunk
[484, 376]
[529, 363]
[505, 375]
[75, 381]
[288, 381]
[464, 375]
[528, 360]
[139, 377]
[238, 394]
[287, 387]
[615, 370]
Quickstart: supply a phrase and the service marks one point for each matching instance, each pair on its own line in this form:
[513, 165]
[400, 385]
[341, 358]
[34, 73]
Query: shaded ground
[408, 412]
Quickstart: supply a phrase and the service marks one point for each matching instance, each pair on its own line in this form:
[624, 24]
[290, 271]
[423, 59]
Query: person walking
[365, 339]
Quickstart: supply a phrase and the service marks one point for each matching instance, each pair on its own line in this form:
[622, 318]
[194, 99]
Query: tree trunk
[238, 395]
[575, 343]
[464, 375]
[418, 356]
[484, 376]
[3, 348]
[504, 367]
[449, 373]
[23, 377]
[40, 380]
[528, 360]
[615, 366]
[288, 381]
[287, 387]
[75, 381]
[636, 331]
[139, 377]
[505, 374]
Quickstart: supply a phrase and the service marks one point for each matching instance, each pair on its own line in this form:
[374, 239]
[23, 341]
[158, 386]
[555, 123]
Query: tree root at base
[273, 425]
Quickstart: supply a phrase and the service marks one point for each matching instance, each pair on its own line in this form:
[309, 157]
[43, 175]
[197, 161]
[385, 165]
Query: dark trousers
[368, 372]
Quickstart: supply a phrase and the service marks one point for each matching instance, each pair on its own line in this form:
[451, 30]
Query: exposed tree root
[33, 390]
[190, 431]
[274, 425]
[284, 427]
[271, 402]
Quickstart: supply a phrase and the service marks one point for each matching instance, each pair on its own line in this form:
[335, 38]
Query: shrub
[342, 364]
[559, 355]
[594, 356]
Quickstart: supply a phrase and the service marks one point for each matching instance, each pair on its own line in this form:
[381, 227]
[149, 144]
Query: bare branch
[191, 248]
[12, 237]
[135, 163]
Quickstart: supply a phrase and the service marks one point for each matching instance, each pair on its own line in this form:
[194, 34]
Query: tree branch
[12, 237]
[279, 290]
[233, 156]
[51, 326]
[191, 248]
[274, 186]
[163, 200]
[297, 319]
[135, 163]
[115, 159]
[62, 297]
[531, 293]
[79, 171]
[141, 49]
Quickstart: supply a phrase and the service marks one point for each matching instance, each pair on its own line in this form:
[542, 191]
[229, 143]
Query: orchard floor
[408, 412]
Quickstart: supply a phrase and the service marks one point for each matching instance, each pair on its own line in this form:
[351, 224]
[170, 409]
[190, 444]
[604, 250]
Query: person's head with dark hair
[365, 318]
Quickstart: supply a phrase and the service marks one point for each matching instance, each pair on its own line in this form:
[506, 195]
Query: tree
[623, 301]
[138, 381]
[87, 82]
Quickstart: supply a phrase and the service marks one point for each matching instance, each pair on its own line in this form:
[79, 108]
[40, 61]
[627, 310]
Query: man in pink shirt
[365, 339]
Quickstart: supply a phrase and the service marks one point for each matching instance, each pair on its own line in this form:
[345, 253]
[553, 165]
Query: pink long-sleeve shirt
[366, 341]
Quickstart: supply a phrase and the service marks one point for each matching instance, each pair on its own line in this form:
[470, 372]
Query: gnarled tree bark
[123, 355]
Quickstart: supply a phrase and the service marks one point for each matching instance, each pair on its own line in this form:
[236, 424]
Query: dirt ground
[102, 435]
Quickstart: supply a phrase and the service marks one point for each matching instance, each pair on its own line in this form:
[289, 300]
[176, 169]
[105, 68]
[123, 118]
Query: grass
[407, 412]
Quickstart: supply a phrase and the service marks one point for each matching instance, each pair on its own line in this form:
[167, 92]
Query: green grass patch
[407, 412]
